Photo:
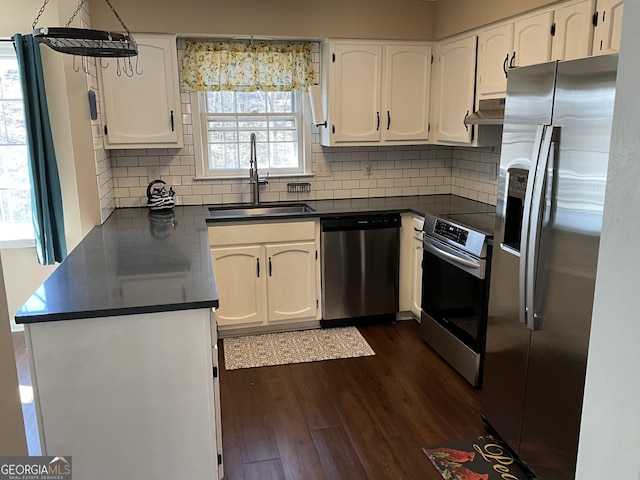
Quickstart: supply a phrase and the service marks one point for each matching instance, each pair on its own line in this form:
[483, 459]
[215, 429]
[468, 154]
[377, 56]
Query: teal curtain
[46, 196]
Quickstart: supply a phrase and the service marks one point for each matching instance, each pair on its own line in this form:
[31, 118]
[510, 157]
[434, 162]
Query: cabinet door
[291, 281]
[607, 33]
[532, 40]
[143, 110]
[495, 47]
[416, 277]
[356, 101]
[574, 31]
[240, 273]
[456, 82]
[407, 85]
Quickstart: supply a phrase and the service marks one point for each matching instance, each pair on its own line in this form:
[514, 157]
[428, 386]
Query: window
[15, 191]
[225, 121]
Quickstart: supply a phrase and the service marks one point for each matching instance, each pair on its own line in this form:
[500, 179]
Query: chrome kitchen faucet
[254, 179]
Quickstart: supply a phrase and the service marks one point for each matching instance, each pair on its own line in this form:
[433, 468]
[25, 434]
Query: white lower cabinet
[411, 264]
[291, 281]
[267, 273]
[129, 396]
[239, 277]
[416, 274]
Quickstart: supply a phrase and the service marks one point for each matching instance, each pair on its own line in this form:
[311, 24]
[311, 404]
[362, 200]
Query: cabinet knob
[270, 268]
[258, 267]
[388, 119]
[378, 123]
[466, 127]
[504, 65]
[172, 125]
[513, 59]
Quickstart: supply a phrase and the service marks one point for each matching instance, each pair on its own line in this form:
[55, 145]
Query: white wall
[12, 437]
[22, 275]
[610, 433]
[69, 115]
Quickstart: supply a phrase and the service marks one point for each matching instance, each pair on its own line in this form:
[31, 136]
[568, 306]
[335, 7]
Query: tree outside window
[15, 190]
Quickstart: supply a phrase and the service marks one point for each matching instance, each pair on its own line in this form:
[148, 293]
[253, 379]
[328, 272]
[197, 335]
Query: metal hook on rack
[86, 65]
[128, 67]
[138, 72]
[75, 68]
[102, 65]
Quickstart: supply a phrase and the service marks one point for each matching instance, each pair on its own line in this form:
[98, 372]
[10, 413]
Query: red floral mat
[480, 458]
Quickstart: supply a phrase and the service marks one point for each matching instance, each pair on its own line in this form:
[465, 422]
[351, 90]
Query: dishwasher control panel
[360, 222]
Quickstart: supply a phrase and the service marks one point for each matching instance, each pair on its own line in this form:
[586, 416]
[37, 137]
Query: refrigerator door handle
[526, 220]
[551, 136]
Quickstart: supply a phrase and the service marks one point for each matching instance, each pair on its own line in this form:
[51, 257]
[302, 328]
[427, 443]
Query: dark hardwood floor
[360, 418]
[351, 419]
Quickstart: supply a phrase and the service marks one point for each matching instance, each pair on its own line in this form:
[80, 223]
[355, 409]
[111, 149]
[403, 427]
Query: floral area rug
[480, 458]
[294, 347]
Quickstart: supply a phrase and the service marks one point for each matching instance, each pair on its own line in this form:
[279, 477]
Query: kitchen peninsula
[122, 350]
[122, 341]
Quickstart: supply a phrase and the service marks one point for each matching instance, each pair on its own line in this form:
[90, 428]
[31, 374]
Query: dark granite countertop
[137, 262]
[434, 204]
[142, 262]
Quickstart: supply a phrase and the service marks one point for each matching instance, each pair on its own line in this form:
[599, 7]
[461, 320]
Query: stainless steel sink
[259, 210]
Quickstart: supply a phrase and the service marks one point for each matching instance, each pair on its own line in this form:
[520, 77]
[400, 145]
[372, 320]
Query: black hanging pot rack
[84, 41]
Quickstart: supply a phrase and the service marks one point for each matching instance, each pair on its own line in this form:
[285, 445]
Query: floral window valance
[248, 66]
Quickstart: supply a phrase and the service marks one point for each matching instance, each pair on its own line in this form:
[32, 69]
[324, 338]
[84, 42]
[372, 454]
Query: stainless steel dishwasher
[360, 261]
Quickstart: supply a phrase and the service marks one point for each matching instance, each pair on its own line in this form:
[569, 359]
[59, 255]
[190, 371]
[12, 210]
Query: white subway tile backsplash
[343, 194]
[339, 172]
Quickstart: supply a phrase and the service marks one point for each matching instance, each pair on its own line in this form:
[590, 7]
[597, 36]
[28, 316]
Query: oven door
[454, 292]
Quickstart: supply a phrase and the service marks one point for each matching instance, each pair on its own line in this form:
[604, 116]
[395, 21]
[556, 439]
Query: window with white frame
[225, 120]
[16, 226]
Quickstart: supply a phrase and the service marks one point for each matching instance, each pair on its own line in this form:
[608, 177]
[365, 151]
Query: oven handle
[455, 258]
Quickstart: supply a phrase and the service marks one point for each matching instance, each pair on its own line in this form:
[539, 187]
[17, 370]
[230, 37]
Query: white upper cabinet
[532, 40]
[357, 86]
[564, 33]
[407, 85]
[573, 31]
[141, 99]
[456, 71]
[495, 48]
[608, 28]
[375, 93]
[525, 41]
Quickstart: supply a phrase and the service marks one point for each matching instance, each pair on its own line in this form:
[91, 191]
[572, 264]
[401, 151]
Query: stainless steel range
[455, 288]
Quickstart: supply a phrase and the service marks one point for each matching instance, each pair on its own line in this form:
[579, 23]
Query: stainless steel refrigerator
[553, 171]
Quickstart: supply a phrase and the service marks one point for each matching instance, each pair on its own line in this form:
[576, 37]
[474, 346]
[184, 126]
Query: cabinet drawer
[252, 233]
